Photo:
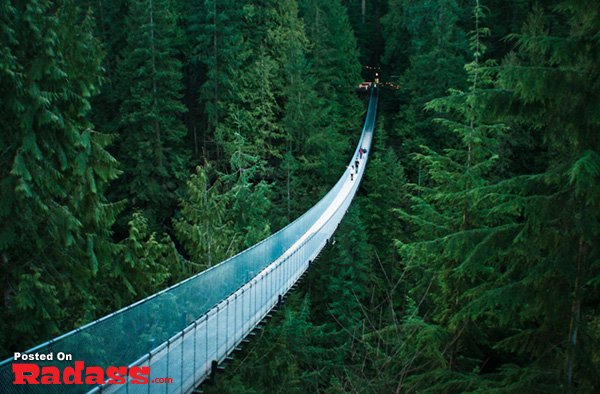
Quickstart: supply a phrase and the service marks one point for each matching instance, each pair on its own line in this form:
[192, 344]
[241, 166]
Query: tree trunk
[575, 318]
[154, 88]
[363, 10]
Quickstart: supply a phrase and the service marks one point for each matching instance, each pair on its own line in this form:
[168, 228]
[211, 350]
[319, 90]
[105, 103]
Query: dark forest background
[146, 140]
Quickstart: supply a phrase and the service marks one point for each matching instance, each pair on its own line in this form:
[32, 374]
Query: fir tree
[454, 222]
[301, 116]
[334, 63]
[150, 263]
[248, 197]
[55, 235]
[334, 57]
[215, 30]
[203, 225]
[436, 52]
[552, 261]
[151, 145]
[504, 267]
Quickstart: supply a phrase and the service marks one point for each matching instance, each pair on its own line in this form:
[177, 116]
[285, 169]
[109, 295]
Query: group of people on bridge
[359, 158]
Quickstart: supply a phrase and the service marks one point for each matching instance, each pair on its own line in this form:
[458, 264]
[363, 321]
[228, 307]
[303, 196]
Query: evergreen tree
[215, 31]
[347, 283]
[501, 267]
[287, 358]
[55, 236]
[435, 53]
[251, 114]
[150, 263]
[334, 63]
[553, 261]
[452, 219]
[301, 115]
[112, 32]
[365, 18]
[384, 192]
[151, 145]
[202, 226]
[334, 57]
[248, 197]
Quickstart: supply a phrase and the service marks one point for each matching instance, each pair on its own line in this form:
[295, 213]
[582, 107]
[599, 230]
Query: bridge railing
[199, 321]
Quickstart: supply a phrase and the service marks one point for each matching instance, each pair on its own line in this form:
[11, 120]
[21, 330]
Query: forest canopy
[145, 141]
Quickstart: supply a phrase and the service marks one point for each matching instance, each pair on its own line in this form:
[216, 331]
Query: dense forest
[146, 140]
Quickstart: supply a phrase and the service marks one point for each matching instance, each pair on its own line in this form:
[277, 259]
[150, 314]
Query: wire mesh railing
[195, 324]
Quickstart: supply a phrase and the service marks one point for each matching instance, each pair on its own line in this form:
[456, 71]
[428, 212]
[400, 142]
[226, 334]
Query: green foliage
[288, 357]
[499, 267]
[222, 214]
[203, 228]
[383, 185]
[334, 57]
[348, 285]
[492, 284]
[365, 18]
[248, 198]
[555, 81]
[150, 263]
[428, 39]
[216, 46]
[112, 32]
[55, 236]
[151, 146]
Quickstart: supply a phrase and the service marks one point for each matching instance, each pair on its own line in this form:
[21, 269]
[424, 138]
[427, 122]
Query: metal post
[168, 353]
[227, 326]
[242, 307]
[182, 378]
[149, 364]
[279, 268]
[235, 317]
[262, 293]
[217, 332]
[195, 335]
[249, 305]
[206, 341]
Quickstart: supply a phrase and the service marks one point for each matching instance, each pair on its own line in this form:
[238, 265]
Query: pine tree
[112, 32]
[289, 357]
[455, 224]
[349, 280]
[203, 225]
[384, 188]
[151, 145]
[505, 262]
[215, 31]
[334, 63]
[334, 57]
[365, 18]
[550, 81]
[248, 197]
[436, 53]
[55, 236]
[301, 116]
[150, 263]
[252, 112]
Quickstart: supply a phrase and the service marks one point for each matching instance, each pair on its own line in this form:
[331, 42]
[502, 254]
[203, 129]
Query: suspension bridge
[185, 331]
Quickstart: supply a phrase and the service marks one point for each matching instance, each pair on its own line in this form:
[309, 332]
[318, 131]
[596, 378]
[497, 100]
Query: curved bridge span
[186, 330]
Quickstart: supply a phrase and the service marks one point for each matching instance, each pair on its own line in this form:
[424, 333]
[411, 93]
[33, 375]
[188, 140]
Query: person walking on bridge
[351, 172]
[356, 164]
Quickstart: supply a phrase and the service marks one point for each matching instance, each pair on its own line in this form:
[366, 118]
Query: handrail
[269, 267]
